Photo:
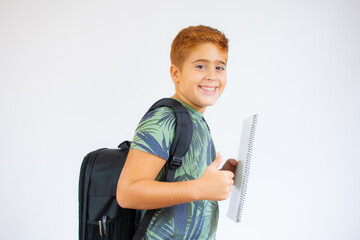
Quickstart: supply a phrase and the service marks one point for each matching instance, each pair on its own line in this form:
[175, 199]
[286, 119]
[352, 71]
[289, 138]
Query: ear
[174, 72]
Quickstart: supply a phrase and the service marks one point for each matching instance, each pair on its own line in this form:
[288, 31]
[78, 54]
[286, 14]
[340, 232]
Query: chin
[208, 103]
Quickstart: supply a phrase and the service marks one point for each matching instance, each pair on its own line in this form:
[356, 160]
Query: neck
[197, 108]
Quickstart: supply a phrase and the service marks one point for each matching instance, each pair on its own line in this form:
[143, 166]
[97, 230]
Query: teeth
[208, 88]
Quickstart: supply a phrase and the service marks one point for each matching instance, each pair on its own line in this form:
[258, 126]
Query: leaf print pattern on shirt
[193, 220]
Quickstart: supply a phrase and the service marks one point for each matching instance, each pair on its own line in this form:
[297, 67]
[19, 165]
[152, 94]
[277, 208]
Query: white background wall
[72, 74]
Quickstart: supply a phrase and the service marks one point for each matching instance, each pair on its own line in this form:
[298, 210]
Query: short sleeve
[155, 132]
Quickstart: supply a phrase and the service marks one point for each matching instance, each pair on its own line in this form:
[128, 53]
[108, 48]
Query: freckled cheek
[223, 82]
[193, 85]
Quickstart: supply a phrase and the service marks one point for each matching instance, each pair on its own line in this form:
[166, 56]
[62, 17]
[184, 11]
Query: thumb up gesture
[216, 184]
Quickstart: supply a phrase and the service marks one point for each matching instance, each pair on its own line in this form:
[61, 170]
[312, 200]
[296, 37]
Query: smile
[208, 89]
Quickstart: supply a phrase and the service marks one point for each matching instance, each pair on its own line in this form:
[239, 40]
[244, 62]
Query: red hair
[192, 36]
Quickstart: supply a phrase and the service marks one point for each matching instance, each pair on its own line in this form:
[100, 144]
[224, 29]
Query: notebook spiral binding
[246, 168]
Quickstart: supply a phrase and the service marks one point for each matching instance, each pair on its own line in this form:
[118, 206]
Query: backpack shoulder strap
[183, 134]
[179, 147]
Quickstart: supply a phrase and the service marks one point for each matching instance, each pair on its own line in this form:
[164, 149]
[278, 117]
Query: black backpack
[100, 216]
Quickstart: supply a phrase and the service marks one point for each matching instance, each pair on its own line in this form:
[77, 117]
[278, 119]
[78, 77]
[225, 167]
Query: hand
[216, 184]
[230, 165]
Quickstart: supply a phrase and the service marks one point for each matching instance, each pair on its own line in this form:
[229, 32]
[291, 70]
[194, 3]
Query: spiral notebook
[238, 191]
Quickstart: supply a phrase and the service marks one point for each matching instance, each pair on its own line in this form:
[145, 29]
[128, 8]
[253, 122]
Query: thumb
[216, 163]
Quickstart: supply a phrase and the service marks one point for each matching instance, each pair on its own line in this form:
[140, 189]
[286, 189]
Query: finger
[229, 174]
[216, 163]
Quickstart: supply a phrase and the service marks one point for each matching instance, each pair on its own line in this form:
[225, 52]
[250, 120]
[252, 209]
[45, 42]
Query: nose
[211, 74]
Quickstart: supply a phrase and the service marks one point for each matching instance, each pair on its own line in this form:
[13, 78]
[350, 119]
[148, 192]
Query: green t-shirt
[193, 220]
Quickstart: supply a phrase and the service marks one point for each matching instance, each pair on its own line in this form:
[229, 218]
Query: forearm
[151, 194]
[137, 188]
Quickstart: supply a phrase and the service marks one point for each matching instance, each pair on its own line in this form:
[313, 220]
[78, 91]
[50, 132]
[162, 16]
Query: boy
[187, 208]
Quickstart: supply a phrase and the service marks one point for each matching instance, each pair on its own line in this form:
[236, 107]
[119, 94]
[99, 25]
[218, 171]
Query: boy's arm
[138, 189]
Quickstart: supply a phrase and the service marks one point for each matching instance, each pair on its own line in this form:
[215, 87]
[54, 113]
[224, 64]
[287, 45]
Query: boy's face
[202, 77]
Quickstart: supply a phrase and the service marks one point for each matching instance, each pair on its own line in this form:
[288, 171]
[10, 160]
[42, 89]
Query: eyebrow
[206, 60]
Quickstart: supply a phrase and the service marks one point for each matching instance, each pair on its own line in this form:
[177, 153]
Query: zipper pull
[100, 229]
[104, 218]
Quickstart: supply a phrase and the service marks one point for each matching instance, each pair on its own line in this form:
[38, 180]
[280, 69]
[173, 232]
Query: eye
[220, 68]
[200, 66]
